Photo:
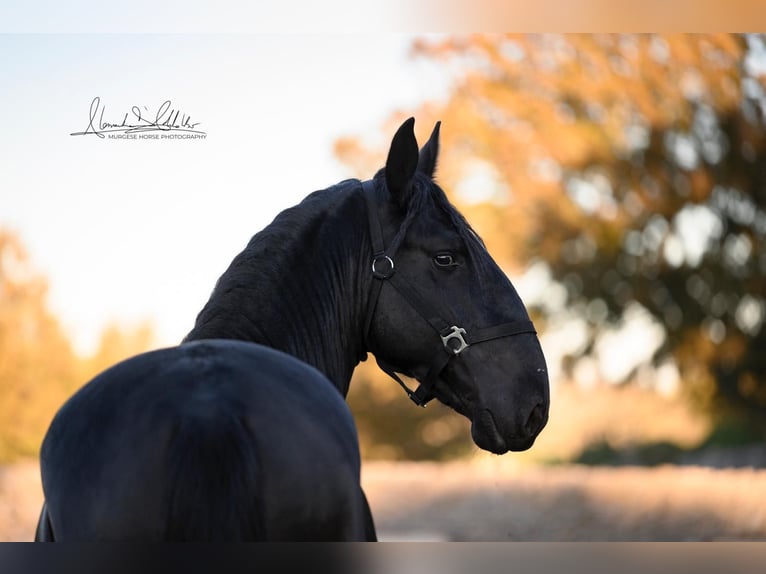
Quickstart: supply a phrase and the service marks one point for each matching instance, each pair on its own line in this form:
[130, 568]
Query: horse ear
[429, 153]
[402, 161]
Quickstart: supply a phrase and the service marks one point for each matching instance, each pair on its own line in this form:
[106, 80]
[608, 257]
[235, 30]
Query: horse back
[211, 440]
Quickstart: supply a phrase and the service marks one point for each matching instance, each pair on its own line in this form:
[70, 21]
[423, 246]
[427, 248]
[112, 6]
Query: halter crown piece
[455, 339]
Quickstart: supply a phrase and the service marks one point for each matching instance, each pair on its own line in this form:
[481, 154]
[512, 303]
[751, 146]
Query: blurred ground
[501, 502]
[20, 500]
[501, 499]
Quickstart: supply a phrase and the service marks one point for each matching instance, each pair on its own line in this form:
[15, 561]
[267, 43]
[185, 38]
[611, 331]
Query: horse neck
[300, 287]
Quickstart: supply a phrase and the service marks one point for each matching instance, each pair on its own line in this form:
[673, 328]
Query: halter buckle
[457, 334]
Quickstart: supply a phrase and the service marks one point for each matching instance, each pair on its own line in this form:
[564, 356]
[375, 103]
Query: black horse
[242, 431]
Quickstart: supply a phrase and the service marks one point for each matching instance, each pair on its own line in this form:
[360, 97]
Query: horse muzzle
[487, 436]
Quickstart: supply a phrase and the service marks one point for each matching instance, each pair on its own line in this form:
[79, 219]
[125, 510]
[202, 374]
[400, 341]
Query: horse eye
[444, 260]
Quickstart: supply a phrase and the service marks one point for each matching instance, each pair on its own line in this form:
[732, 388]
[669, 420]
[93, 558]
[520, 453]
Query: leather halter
[455, 339]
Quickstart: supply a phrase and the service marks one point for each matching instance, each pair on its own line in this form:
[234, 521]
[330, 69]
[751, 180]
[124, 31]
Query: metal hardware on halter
[455, 333]
[386, 273]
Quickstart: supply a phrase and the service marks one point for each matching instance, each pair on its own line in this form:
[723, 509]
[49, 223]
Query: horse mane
[292, 225]
[258, 298]
[286, 237]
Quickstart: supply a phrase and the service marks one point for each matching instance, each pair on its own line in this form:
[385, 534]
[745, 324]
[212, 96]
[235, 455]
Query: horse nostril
[536, 420]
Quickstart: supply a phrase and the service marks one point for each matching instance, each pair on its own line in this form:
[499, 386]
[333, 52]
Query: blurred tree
[38, 368]
[37, 365]
[632, 169]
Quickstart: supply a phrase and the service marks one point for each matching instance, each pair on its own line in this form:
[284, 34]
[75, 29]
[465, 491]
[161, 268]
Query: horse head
[442, 310]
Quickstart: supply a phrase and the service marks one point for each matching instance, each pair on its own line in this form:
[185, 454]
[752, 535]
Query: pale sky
[134, 230]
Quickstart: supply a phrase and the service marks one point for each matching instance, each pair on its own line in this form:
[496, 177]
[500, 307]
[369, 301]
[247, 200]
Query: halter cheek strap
[455, 339]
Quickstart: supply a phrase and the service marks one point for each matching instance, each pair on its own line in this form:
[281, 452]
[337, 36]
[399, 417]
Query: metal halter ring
[457, 334]
[386, 273]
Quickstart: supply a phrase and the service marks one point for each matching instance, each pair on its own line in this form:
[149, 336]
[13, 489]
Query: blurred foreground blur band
[421, 558]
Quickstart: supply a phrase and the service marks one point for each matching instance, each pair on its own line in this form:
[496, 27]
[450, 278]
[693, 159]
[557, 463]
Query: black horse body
[242, 431]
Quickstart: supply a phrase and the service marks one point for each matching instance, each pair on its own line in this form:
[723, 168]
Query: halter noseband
[455, 339]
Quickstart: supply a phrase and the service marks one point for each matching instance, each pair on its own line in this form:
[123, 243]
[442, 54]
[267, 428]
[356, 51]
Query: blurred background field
[620, 180]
